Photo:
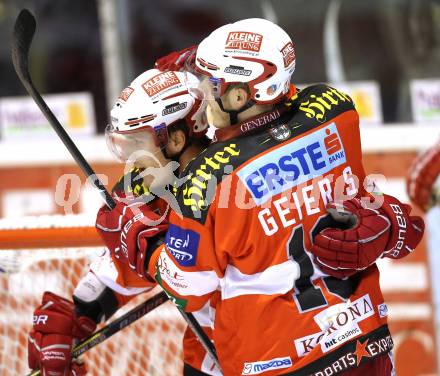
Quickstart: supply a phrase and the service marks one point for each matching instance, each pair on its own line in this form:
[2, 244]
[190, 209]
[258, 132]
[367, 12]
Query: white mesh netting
[150, 346]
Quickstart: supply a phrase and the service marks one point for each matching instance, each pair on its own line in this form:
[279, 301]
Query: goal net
[53, 253]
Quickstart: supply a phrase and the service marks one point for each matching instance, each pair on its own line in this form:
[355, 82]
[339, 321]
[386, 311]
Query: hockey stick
[24, 30]
[115, 326]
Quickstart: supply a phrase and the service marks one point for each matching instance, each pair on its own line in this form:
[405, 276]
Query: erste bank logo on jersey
[183, 245]
[256, 368]
[293, 164]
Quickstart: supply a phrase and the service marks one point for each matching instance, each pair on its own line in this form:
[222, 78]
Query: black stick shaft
[24, 30]
[203, 338]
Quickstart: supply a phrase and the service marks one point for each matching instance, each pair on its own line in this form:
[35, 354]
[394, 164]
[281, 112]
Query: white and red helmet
[252, 51]
[154, 101]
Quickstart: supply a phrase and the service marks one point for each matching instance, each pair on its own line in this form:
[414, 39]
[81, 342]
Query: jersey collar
[256, 123]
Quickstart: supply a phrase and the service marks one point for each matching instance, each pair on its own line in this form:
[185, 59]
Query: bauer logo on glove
[133, 228]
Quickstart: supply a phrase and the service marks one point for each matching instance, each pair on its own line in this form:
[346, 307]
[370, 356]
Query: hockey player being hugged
[155, 122]
[256, 218]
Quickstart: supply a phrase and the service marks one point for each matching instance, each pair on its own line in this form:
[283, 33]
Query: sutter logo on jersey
[183, 245]
[318, 106]
[160, 82]
[194, 191]
[288, 54]
[243, 40]
[293, 164]
[256, 368]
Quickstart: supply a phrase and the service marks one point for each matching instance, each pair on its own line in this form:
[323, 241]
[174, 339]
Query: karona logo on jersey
[293, 164]
[160, 82]
[243, 40]
[266, 365]
[338, 324]
[183, 245]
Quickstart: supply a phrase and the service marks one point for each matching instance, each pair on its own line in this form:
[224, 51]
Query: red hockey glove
[422, 175]
[50, 342]
[386, 232]
[406, 231]
[130, 231]
[178, 60]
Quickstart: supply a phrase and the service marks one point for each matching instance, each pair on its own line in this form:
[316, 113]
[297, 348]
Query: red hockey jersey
[247, 217]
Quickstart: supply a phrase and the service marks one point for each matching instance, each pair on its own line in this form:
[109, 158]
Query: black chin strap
[233, 114]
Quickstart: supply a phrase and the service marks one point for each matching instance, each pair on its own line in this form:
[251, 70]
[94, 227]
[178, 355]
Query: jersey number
[308, 296]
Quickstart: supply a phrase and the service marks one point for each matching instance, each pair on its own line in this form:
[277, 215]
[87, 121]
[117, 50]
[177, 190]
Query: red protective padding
[388, 231]
[422, 175]
[178, 60]
[406, 231]
[51, 354]
[126, 230]
[57, 315]
[55, 328]
[342, 253]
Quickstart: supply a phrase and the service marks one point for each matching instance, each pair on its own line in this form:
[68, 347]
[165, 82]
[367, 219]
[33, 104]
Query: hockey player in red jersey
[139, 123]
[422, 176]
[253, 212]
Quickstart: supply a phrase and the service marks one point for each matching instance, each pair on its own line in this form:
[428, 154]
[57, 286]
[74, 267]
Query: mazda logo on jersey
[182, 244]
[293, 164]
[256, 368]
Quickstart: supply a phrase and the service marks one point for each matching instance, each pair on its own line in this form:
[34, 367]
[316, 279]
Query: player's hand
[406, 231]
[422, 175]
[178, 60]
[131, 231]
[50, 342]
[386, 232]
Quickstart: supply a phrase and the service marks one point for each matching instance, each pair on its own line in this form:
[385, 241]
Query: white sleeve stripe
[276, 279]
[105, 270]
[185, 283]
[56, 346]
